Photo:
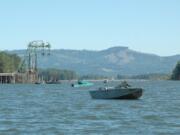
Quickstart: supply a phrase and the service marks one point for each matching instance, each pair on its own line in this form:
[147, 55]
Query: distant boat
[82, 84]
[53, 82]
[42, 82]
[118, 92]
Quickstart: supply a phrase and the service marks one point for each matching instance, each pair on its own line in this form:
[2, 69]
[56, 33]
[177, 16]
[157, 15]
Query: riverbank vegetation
[176, 72]
[93, 77]
[55, 75]
[151, 76]
[9, 62]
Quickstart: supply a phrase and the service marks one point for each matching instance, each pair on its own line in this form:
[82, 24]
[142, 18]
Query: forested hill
[9, 62]
[112, 61]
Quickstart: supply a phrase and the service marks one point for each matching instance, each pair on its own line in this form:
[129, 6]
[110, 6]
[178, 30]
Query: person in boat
[123, 84]
[80, 82]
[105, 84]
[105, 81]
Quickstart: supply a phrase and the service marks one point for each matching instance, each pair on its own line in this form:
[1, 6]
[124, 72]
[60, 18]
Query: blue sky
[151, 26]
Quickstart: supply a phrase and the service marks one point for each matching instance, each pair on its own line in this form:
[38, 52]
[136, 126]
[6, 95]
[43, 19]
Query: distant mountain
[112, 61]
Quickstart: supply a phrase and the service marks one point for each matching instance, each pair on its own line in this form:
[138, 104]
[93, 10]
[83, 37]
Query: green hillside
[108, 62]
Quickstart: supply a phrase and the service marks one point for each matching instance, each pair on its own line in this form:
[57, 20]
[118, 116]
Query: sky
[151, 26]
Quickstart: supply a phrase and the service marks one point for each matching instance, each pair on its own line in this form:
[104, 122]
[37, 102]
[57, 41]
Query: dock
[7, 78]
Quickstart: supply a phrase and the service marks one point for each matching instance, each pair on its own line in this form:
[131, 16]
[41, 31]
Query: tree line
[55, 75]
[9, 62]
[150, 76]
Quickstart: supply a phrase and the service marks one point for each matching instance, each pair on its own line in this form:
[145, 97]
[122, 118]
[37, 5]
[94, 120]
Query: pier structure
[7, 78]
[28, 69]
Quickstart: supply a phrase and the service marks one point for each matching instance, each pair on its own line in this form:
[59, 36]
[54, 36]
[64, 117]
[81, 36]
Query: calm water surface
[62, 110]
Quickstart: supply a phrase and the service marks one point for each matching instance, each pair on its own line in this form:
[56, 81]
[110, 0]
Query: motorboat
[122, 91]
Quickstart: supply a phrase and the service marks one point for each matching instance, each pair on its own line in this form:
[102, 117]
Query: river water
[63, 110]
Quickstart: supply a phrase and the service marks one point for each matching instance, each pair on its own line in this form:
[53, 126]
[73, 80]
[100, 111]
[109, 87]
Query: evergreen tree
[176, 72]
[8, 62]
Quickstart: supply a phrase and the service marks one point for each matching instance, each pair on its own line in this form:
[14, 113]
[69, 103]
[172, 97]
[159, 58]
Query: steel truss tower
[29, 64]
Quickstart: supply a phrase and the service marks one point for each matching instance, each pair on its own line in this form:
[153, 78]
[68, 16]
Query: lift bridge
[28, 70]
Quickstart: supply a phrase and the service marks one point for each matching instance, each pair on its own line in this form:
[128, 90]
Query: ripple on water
[60, 109]
[11, 131]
